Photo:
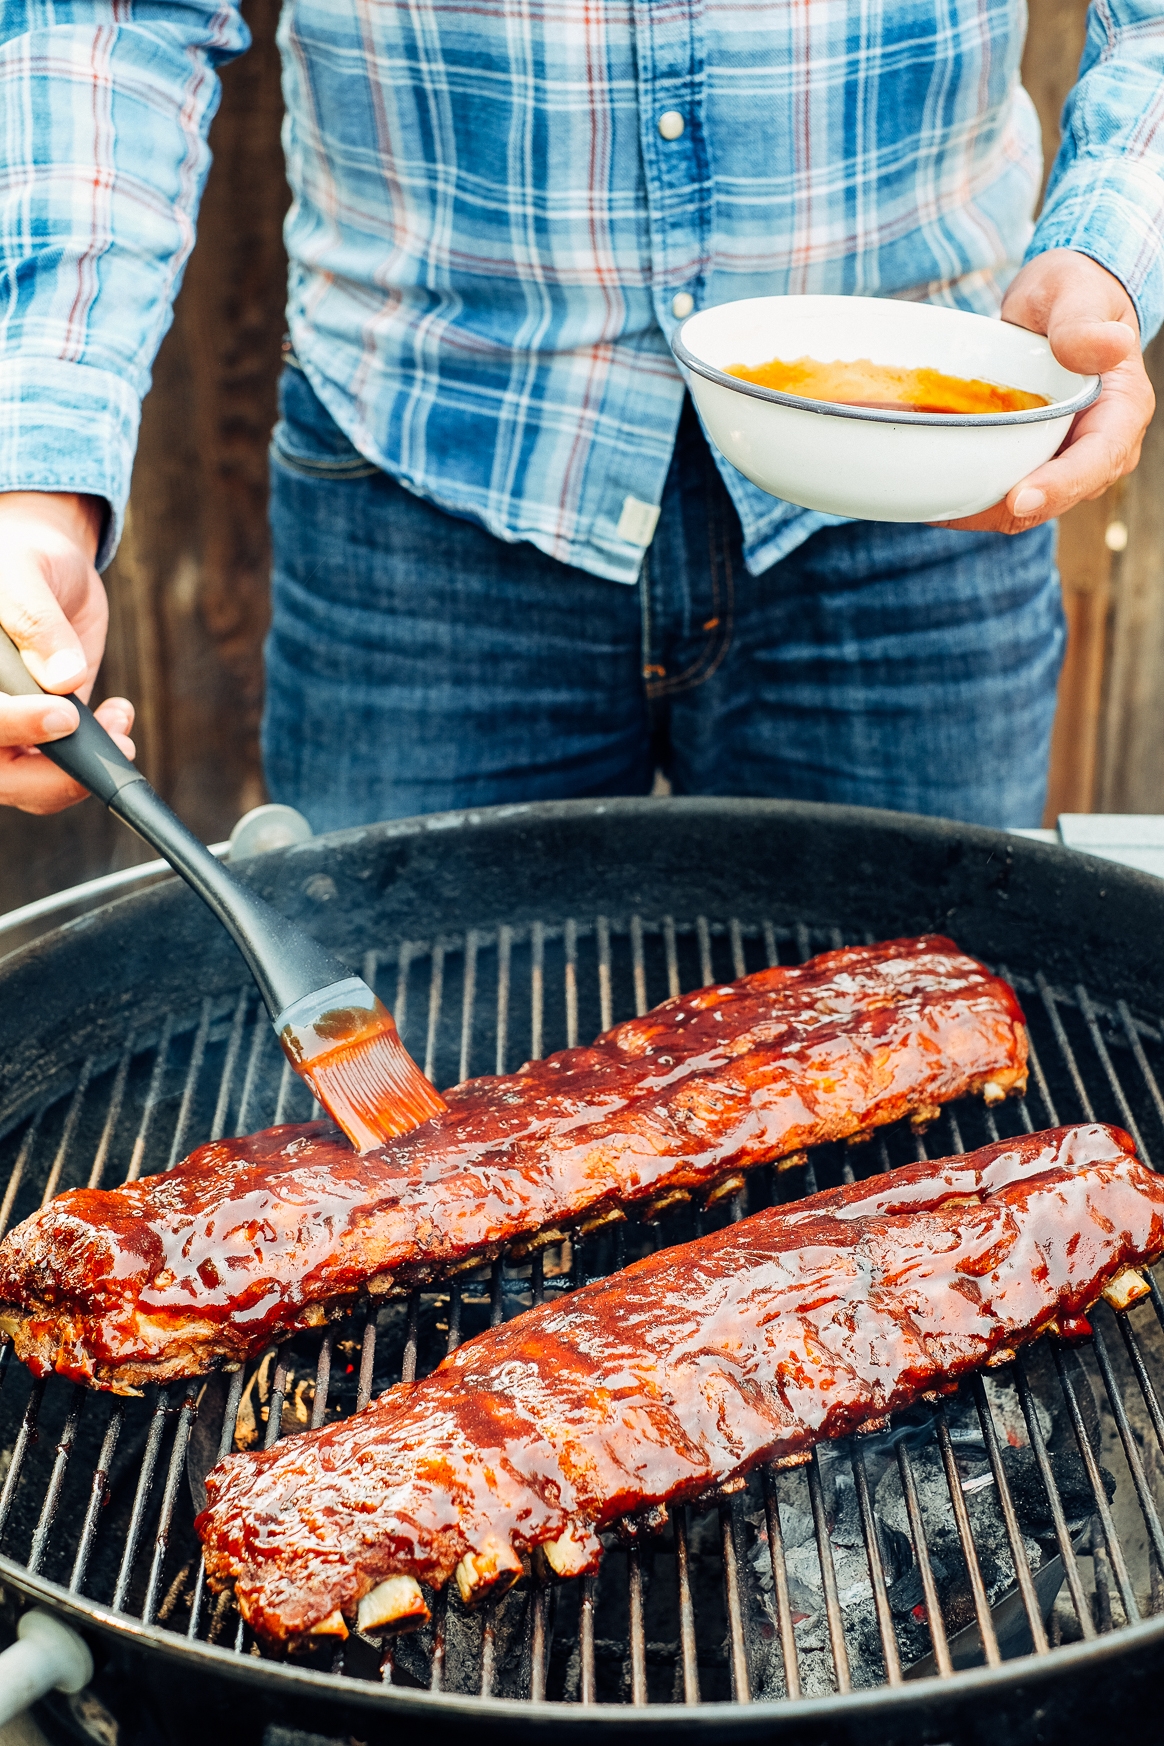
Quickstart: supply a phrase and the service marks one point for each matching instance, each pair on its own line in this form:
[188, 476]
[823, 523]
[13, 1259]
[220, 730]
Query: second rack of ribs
[249, 1240]
[678, 1375]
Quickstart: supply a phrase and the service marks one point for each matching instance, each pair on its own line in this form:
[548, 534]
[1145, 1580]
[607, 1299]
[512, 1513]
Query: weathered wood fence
[189, 587]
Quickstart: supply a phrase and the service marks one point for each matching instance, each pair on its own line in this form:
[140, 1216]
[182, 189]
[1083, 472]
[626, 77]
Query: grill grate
[1022, 1513]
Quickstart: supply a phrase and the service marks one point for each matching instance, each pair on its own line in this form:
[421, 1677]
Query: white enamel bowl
[859, 461]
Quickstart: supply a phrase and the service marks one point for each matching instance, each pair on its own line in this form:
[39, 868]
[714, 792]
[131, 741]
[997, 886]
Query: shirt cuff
[1113, 213]
[68, 427]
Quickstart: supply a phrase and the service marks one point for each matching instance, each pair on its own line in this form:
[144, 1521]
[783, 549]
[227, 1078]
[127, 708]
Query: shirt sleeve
[1106, 192]
[105, 106]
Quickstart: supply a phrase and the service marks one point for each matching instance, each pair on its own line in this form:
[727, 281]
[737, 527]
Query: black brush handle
[286, 963]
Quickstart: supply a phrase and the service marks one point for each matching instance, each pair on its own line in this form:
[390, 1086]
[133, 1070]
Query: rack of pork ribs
[675, 1377]
[249, 1240]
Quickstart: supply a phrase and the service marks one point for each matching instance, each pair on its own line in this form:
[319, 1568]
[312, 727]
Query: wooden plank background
[188, 590]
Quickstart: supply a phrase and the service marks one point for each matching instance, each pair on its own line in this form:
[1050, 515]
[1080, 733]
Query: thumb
[33, 618]
[1087, 346]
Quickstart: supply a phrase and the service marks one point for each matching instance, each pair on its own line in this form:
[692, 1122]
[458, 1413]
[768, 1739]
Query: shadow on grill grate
[1017, 1515]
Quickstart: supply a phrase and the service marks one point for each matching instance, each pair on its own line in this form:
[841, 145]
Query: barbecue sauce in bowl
[886, 387]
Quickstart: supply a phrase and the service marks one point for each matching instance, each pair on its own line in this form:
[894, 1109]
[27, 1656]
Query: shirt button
[682, 304]
[671, 124]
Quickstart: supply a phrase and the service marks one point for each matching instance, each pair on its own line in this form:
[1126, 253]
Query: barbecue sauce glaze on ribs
[675, 1376]
[251, 1239]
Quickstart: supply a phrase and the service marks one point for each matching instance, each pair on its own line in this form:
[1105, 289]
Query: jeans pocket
[307, 440]
[313, 467]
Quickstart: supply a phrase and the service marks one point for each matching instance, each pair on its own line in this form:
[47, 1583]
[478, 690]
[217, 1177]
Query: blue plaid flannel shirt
[492, 236]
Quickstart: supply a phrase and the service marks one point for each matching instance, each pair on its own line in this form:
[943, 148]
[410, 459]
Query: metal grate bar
[25, 1436]
[174, 1474]
[638, 1634]
[873, 1552]
[68, 1132]
[703, 935]
[638, 965]
[153, 1093]
[287, 1080]
[828, 1574]
[411, 1332]
[1084, 1002]
[671, 948]
[488, 1655]
[587, 1684]
[735, 934]
[504, 961]
[780, 1584]
[1065, 1049]
[193, 1069]
[468, 1000]
[1103, 1509]
[539, 1630]
[274, 1426]
[966, 1540]
[570, 973]
[605, 992]
[225, 1443]
[537, 990]
[688, 1653]
[1054, 1501]
[1044, 1089]
[921, 1552]
[16, 1174]
[141, 1500]
[96, 1498]
[233, 1046]
[436, 981]
[1151, 1400]
[1131, 1031]
[737, 1645]
[1014, 1534]
[52, 1496]
[400, 1004]
[1131, 1451]
[437, 1659]
[771, 951]
[259, 1036]
[112, 1114]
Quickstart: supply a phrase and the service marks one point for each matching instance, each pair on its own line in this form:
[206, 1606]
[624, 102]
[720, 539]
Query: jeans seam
[711, 658]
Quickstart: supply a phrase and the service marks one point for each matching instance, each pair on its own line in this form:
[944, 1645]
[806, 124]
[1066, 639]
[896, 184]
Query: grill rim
[1061, 889]
[936, 1698]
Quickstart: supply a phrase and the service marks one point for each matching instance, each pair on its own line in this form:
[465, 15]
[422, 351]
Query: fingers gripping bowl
[868, 462]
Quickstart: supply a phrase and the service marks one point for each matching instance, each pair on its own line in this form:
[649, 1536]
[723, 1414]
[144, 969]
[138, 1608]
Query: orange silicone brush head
[345, 1044]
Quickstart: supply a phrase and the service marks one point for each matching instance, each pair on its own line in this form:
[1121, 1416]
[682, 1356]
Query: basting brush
[337, 1035]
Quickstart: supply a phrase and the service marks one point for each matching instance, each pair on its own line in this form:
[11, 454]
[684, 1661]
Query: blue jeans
[416, 664]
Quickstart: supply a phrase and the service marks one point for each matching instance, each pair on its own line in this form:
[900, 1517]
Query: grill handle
[48, 1655]
[287, 964]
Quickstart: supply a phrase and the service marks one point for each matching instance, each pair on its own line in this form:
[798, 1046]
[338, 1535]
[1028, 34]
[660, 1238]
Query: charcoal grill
[989, 1569]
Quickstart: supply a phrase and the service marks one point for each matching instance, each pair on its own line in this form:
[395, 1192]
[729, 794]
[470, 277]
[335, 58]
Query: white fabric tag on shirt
[638, 521]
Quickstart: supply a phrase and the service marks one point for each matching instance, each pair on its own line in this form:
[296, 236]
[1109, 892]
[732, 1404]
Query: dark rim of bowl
[875, 414]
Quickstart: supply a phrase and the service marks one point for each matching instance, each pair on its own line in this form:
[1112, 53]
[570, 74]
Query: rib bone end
[1127, 1288]
[726, 1189]
[567, 1555]
[923, 1115]
[332, 1626]
[613, 1215]
[492, 1570]
[396, 1601]
[664, 1203]
[794, 1161]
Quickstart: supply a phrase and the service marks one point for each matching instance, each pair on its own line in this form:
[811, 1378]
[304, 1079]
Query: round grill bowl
[463, 915]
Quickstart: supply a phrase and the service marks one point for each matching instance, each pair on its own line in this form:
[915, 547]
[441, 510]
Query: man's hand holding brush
[53, 606]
